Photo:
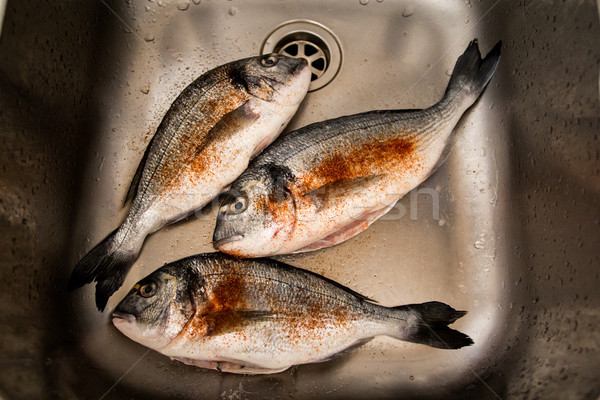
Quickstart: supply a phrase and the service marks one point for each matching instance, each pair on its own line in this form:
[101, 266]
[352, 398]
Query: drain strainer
[309, 40]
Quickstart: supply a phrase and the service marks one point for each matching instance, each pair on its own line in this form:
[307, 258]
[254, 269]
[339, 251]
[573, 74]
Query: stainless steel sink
[507, 229]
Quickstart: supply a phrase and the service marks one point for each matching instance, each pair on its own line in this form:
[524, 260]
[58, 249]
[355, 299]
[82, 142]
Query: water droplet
[147, 8]
[468, 3]
[448, 72]
[177, 56]
[363, 2]
[149, 37]
[160, 3]
[412, 378]
[233, 10]
[467, 21]
[479, 244]
[380, 1]
[408, 11]
[196, 2]
[183, 5]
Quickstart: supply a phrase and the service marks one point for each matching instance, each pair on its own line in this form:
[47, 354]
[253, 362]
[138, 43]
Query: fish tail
[107, 264]
[471, 74]
[427, 323]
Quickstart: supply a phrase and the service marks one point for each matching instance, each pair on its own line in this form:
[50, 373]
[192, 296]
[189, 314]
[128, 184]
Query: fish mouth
[221, 242]
[120, 317]
[300, 67]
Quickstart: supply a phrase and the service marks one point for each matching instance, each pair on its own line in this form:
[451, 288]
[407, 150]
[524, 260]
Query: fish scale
[205, 140]
[263, 316]
[327, 182]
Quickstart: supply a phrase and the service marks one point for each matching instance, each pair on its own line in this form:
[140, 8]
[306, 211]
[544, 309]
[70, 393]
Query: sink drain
[312, 41]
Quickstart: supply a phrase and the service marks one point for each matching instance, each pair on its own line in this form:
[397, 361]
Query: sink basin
[507, 229]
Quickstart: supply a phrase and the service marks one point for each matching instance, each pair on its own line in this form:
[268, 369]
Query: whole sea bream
[327, 182]
[205, 140]
[260, 316]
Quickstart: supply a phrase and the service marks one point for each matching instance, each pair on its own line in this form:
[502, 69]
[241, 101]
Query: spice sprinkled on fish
[261, 316]
[327, 182]
[205, 140]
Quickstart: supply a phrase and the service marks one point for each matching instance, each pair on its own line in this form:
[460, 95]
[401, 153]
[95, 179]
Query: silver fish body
[262, 316]
[205, 140]
[327, 182]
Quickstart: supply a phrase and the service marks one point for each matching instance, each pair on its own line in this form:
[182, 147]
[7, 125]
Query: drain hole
[309, 50]
[312, 49]
[292, 50]
[319, 64]
[311, 41]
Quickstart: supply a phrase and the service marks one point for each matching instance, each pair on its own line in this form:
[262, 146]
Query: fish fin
[227, 321]
[347, 350]
[229, 366]
[431, 326]
[247, 369]
[208, 364]
[471, 73]
[133, 186]
[241, 367]
[286, 267]
[231, 123]
[331, 193]
[107, 264]
[348, 231]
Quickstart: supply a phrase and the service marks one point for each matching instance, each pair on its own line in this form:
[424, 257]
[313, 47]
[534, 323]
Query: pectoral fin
[331, 193]
[347, 231]
[235, 121]
[230, 124]
[227, 321]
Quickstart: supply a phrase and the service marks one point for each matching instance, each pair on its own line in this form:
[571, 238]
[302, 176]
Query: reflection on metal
[310, 40]
[507, 229]
[2, 11]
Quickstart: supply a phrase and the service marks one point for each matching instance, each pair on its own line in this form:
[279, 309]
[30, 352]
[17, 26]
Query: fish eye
[270, 60]
[147, 290]
[239, 205]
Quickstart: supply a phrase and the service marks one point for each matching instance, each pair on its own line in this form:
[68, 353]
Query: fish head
[256, 215]
[157, 308]
[275, 78]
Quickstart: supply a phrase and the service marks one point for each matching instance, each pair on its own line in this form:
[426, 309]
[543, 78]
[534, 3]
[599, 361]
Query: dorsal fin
[132, 191]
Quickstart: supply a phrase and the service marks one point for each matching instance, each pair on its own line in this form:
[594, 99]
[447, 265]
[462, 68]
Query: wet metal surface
[506, 229]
